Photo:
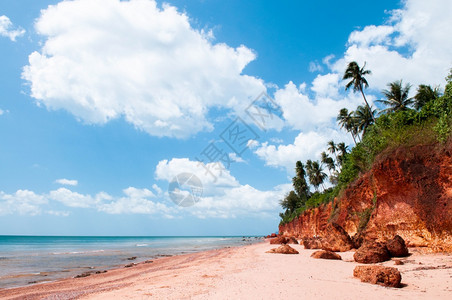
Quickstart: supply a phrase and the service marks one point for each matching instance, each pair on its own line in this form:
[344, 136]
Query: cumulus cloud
[305, 146]
[223, 196]
[303, 113]
[7, 29]
[135, 201]
[414, 46]
[23, 202]
[106, 59]
[371, 35]
[64, 181]
[211, 175]
[72, 199]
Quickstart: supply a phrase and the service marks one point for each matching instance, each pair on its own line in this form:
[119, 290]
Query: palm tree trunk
[359, 138]
[365, 100]
[353, 136]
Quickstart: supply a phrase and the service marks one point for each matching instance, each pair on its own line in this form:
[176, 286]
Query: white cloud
[1, 112]
[106, 59]
[305, 146]
[371, 35]
[211, 175]
[235, 158]
[314, 66]
[72, 199]
[7, 29]
[303, 113]
[241, 200]
[414, 46]
[136, 201]
[157, 189]
[23, 202]
[326, 85]
[65, 181]
[223, 197]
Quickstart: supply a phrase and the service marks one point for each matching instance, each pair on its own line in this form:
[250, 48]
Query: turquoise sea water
[27, 260]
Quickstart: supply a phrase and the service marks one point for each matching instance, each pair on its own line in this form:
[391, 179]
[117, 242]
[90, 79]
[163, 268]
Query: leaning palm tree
[316, 175]
[396, 97]
[343, 151]
[363, 118]
[328, 161]
[332, 148]
[424, 94]
[357, 79]
[347, 121]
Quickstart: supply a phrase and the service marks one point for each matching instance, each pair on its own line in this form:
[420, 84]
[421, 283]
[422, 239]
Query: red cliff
[407, 192]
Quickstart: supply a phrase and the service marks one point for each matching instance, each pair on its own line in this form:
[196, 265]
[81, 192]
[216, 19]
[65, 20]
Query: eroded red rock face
[407, 193]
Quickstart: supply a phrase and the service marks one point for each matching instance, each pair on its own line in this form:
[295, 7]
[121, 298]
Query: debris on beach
[84, 274]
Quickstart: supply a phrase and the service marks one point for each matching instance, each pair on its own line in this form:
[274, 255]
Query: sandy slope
[249, 273]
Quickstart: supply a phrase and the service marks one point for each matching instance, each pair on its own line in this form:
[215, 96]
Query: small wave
[77, 252]
[142, 245]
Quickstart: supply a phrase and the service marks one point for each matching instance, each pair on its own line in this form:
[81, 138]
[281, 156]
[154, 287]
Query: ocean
[26, 260]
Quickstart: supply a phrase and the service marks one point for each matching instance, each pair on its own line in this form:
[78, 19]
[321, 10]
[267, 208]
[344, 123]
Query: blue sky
[103, 103]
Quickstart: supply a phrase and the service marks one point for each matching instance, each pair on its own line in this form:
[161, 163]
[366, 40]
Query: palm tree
[328, 161]
[316, 174]
[332, 148]
[357, 79]
[363, 118]
[396, 97]
[424, 94]
[343, 150]
[347, 121]
[290, 202]
[299, 182]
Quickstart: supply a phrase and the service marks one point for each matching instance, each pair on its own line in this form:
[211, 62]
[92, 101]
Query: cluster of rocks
[367, 252]
[373, 252]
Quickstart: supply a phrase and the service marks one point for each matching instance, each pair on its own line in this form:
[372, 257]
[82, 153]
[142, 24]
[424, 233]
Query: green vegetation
[425, 118]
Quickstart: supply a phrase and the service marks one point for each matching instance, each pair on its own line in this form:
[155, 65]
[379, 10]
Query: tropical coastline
[248, 272]
[147, 148]
[28, 260]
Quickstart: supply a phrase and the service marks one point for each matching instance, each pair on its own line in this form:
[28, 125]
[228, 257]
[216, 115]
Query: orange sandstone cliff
[407, 192]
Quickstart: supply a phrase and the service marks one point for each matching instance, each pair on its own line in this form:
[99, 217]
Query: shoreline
[32, 260]
[248, 272]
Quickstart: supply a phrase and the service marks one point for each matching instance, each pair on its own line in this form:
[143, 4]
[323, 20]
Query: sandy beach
[249, 273]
